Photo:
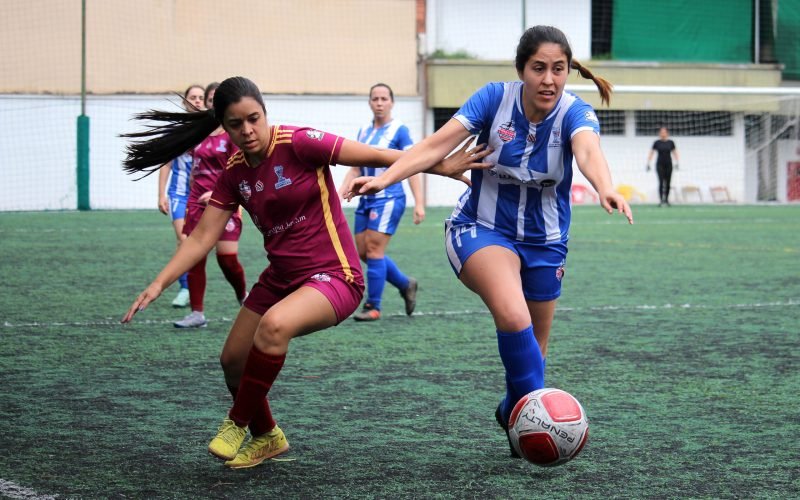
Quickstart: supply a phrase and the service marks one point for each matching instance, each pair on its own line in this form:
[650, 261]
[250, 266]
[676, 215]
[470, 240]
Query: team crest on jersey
[282, 181]
[591, 117]
[373, 214]
[315, 134]
[560, 273]
[506, 132]
[321, 277]
[222, 146]
[556, 138]
[259, 186]
[245, 191]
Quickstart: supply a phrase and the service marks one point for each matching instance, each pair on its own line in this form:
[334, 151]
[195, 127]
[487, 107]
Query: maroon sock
[262, 421]
[234, 273]
[197, 285]
[260, 372]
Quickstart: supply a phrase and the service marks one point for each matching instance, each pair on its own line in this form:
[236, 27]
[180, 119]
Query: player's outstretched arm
[423, 157]
[190, 251]
[592, 163]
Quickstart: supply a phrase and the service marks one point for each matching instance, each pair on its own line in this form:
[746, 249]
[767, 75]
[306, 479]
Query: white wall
[705, 161]
[491, 30]
[38, 155]
[38, 151]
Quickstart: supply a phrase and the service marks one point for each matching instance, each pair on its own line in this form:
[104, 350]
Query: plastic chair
[688, 191]
[630, 193]
[720, 194]
[581, 194]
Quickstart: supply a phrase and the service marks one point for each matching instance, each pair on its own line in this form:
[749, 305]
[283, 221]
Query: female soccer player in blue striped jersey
[172, 198]
[507, 237]
[379, 214]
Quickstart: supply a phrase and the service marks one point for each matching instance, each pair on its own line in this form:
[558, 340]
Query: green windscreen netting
[683, 30]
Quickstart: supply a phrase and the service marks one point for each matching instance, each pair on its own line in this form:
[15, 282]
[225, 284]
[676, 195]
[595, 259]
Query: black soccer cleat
[504, 426]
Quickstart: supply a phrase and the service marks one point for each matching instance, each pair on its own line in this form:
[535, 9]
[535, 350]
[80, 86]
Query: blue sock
[184, 280]
[394, 275]
[376, 281]
[524, 366]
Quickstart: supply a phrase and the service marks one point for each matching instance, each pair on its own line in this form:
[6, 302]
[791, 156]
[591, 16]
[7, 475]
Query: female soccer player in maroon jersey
[172, 199]
[208, 162]
[281, 176]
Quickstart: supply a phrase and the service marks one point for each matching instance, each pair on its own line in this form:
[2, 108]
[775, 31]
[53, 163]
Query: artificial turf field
[680, 335]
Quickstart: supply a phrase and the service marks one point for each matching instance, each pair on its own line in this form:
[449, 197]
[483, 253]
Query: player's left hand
[612, 200]
[455, 165]
[419, 214]
[150, 294]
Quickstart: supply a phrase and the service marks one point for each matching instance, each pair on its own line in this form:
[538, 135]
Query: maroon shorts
[271, 289]
[233, 229]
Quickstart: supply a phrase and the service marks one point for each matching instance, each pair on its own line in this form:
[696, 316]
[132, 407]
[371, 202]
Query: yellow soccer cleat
[228, 440]
[259, 449]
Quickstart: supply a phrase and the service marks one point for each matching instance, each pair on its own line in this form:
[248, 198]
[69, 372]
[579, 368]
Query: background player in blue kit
[507, 237]
[379, 214]
[172, 198]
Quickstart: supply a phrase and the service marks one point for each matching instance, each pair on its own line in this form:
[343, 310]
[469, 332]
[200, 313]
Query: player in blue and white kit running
[379, 214]
[507, 238]
[172, 198]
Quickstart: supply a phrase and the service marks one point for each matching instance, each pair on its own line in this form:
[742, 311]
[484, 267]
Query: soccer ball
[548, 427]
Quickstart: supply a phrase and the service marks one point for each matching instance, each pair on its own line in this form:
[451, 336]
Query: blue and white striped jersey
[393, 135]
[179, 180]
[526, 195]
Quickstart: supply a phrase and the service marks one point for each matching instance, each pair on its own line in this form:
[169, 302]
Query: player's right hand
[150, 294]
[163, 205]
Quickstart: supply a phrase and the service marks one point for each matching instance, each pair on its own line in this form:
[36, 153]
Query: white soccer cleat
[195, 319]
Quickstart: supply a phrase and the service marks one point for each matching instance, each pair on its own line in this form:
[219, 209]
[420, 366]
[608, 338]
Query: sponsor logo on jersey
[321, 277]
[259, 186]
[591, 117]
[245, 191]
[282, 181]
[315, 134]
[506, 132]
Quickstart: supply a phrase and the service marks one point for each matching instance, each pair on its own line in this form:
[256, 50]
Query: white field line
[437, 227]
[463, 312]
[10, 489]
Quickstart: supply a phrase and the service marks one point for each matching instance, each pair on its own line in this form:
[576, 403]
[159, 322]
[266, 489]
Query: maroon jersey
[292, 200]
[209, 160]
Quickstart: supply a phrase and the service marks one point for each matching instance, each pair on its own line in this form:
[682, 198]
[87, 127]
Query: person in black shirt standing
[666, 149]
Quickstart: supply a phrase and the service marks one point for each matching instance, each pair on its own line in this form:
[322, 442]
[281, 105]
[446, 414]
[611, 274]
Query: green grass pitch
[680, 335]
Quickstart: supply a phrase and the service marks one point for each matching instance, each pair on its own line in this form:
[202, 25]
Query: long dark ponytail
[178, 132]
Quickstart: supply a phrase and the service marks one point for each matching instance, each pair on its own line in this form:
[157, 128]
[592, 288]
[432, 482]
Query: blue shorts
[177, 207]
[380, 214]
[542, 265]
